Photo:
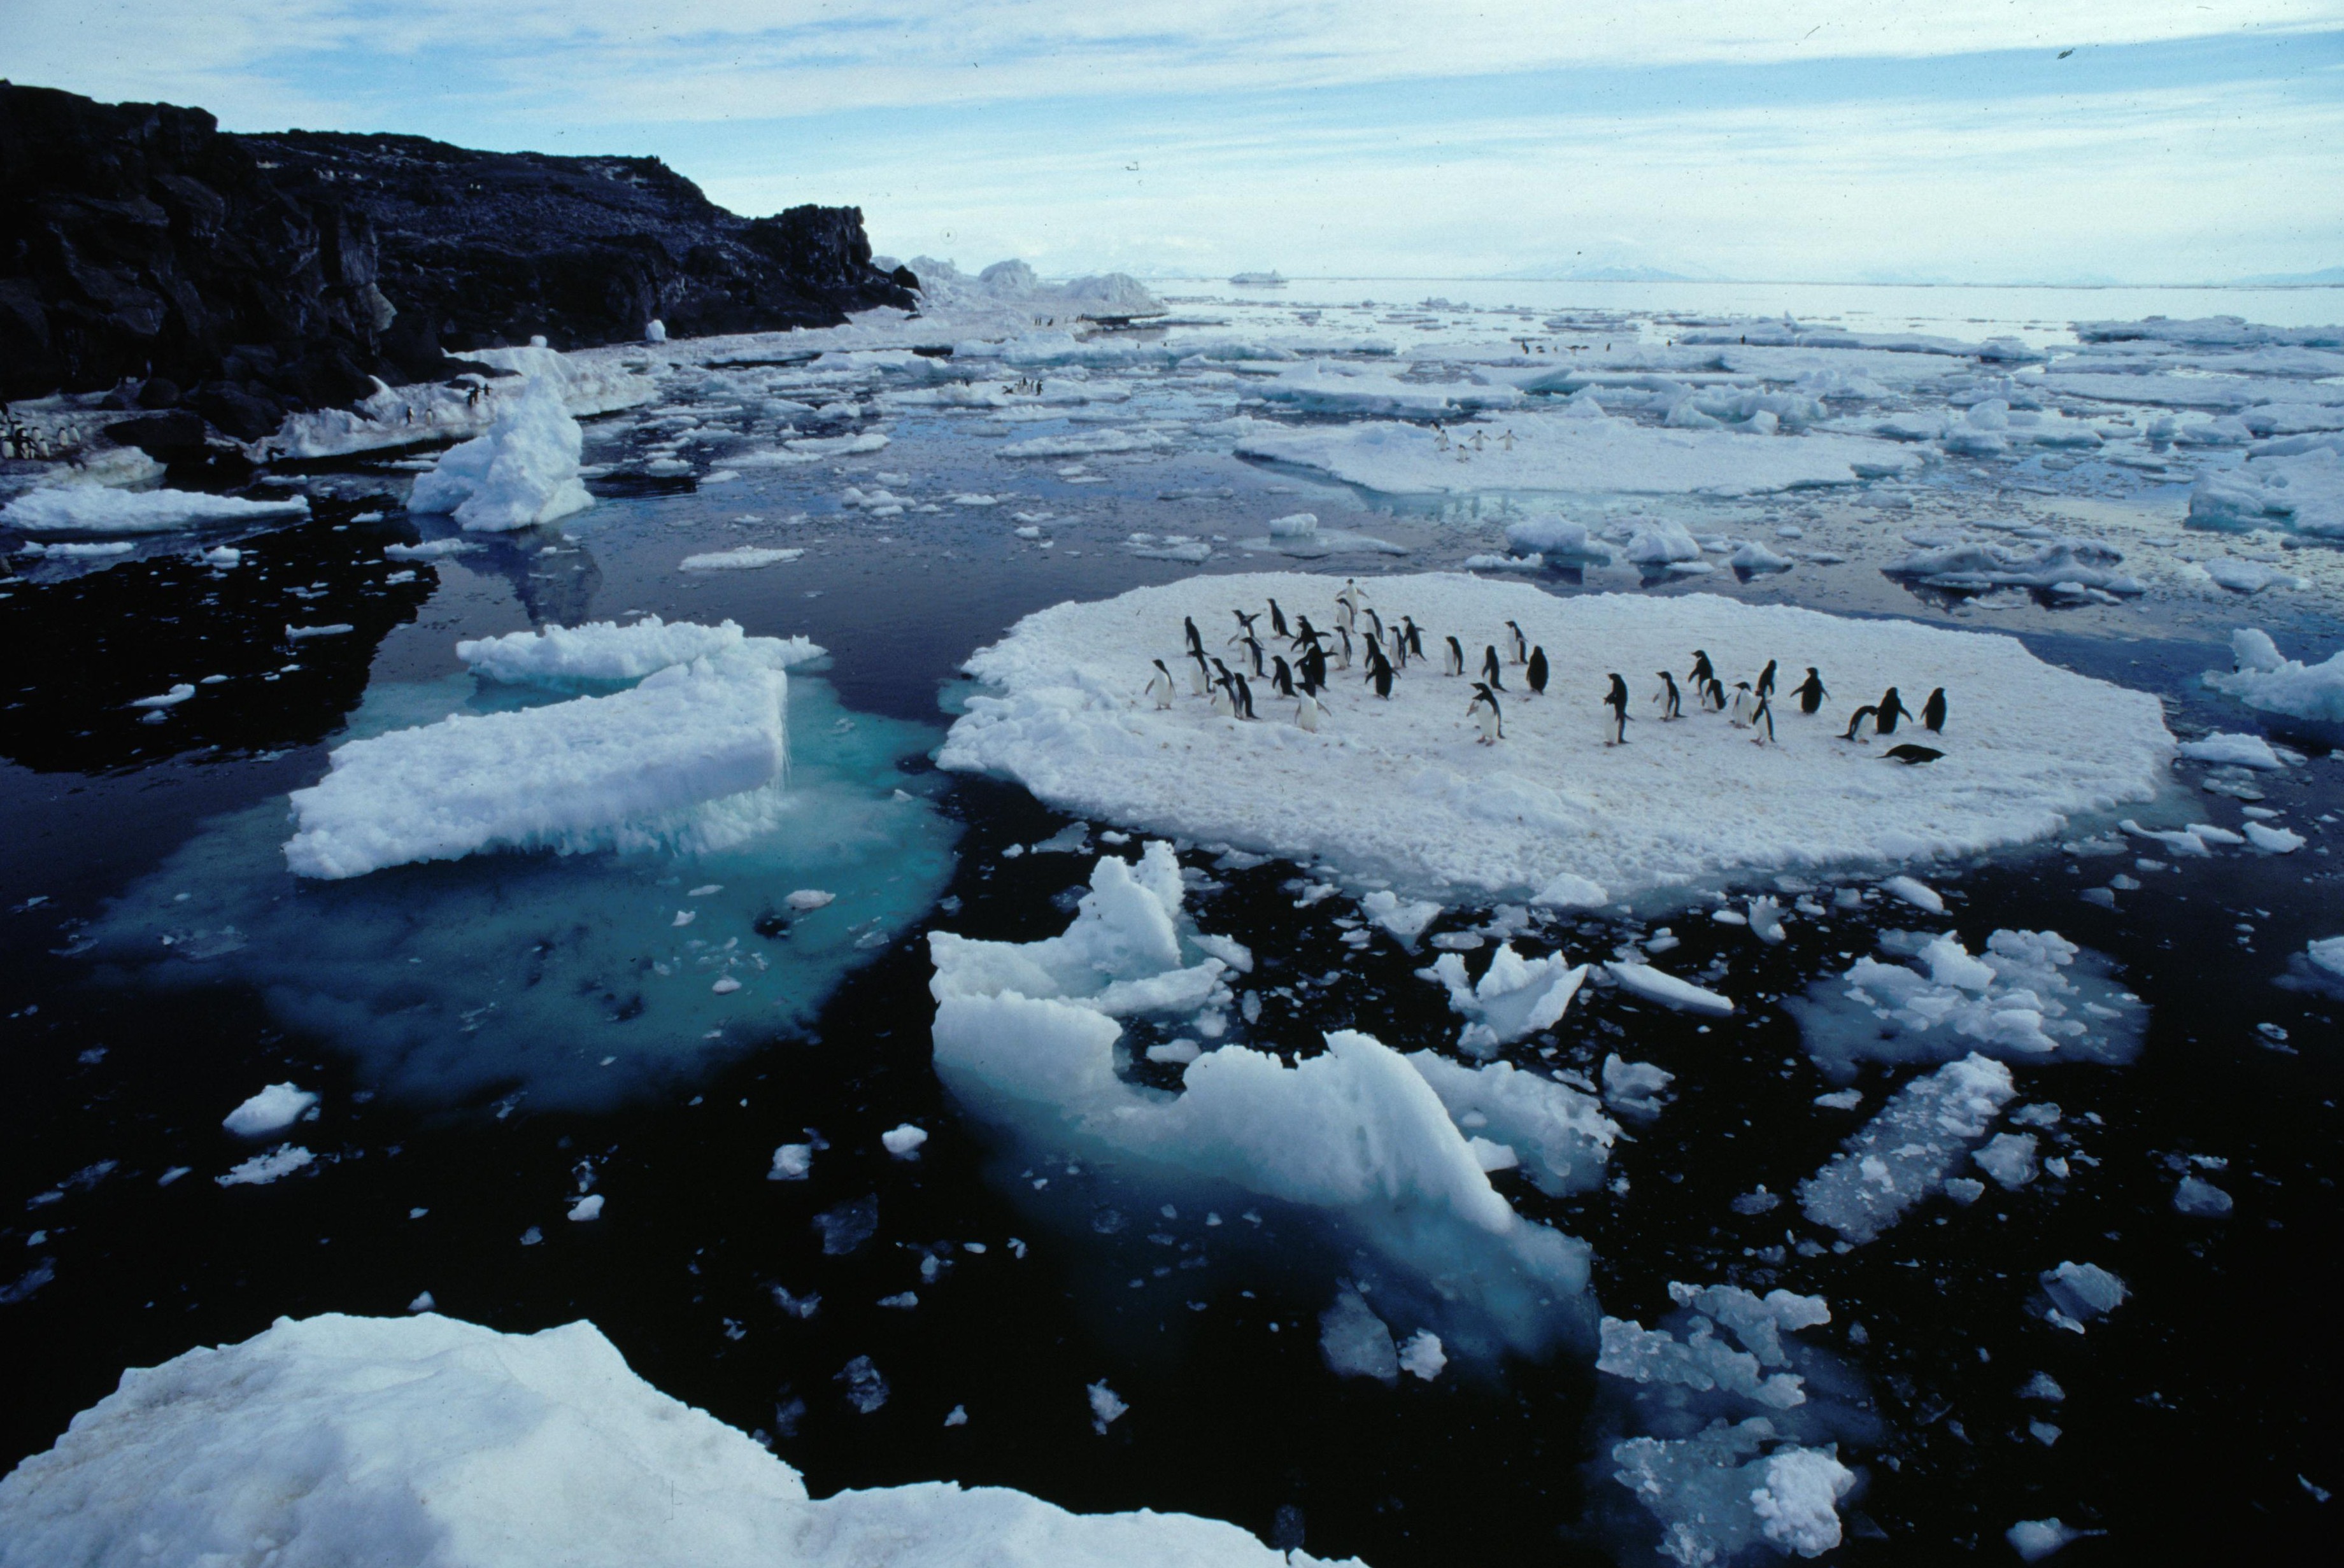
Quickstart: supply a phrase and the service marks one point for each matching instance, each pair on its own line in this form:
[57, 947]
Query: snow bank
[1573, 451]
[1026, 1034]
[422, 1438]
[2273, 684]
[101, 509]
[606, 652]
[522, 473]
[683, 760]
[1905, 1152]
[2303, 493]
[1401, 789]
[2026, 997]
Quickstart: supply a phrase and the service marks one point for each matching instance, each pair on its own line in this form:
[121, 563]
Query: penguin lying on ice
[1910, 755]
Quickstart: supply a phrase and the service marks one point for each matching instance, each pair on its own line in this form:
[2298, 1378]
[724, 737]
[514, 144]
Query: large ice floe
[661, 938]
[429, 1441]
[2031, 996]
[1907, 1152]
[102, 510]
[1577, 449]
[2301, 489]
[1399, 787]
[521, 473]
[1737, 1449]
[2266, 679]
[1029, 1035]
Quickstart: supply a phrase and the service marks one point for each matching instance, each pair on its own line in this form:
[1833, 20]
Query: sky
[1996, 141]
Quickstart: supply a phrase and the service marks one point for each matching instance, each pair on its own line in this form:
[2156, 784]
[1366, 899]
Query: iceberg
[523, 472]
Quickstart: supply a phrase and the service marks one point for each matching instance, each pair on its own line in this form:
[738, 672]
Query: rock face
[145, 251]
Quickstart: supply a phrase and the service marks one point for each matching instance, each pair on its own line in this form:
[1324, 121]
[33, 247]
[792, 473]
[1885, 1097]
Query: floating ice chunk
[1569, 892]
[339, 628]
[2234, 751]
[273, 1109]
[903, 1141]
[2082, 1291]
[1797, 1503]
[2009, 1159]
[1092, 444]
[792, 1162]
[1514, 997]
[1766, 917]
[1917, 893]
[2248, 576]
[2031, 994]
[1700, 1361]
[1974, 568]
[430, 550]
[263, 1168]
[864, 1384]
[1105, 1408]
[1403, 918]
[590, 1206]
[171, 699]
[1754, 556]
[740, 559]
[2302, 492]
[1659, 543]
[847, 1226]
[1355, 1341]
[811, 446]
[2035, 1539]
[604, 651]
[1633, 1088]
[806, 899]
[1667, 989]
[2201, 1198]
[1504, 563]
[1907, 1150]
[1558, 1133]
[103, 509]
[2270, 839]
[2045, 1387]
[683, 759]
[1422, 1356]
[1556, 539]
[1295, 526]
[1708, 1491]
[1841, 1099]
[2327, 954]
[2273, 684]
[522, 473]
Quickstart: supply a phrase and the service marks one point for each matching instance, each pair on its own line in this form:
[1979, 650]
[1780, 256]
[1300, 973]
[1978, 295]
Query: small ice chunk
[905, 1140]
[1965, 1190]
[171, 699]
[2234, 751]
[1653, 985]
[2009, 1159]
[2035, 1539]
[1422, 1355]
[865, 1389]
[422, 1303]
[2272, 841]
[1798, 1504]
[1635, 1087]
[263, 1168]
[1355, 1341]
[587, 1208]
[1177, 1052]
[273, 1109]
[809, 899]
[959, 1416]
[1909, 1147]
[2201, 1198]
[848, 1226]
[2083, 1292]
[1403, 919]
[725, 985]
[1841, 1098]
[1914, 892]
[792, 1162]
[1105, 1408]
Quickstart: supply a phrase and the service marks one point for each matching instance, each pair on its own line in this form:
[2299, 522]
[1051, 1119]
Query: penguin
[1766, 680]
[1307, 711]
[1415, 636]
[1399, 647]
[1345, 633]
[1278, 619]
[1712, 693]
[1200, 679]
[1456, 658]
[1671, 704]
[1159, 685]
[1314, 670]
[1491, 671]
[1349, 600]
[1196, 642]
[1244, 624]
[1891, 709]
[1537, 676]
[1375, 626]
[1282, 679]
[1702, 670]
[1743, 704]
[1220, 673]
[1910, 755]
[1223, 703]
[1521, 644]
[1855, 722]
[1810, 691]
[1243, 696]
[1304, 631]
[1763, 714]
[1253, 651]
[1380, 676]
[1616, 700]
[1484, 708]
[1932, 712]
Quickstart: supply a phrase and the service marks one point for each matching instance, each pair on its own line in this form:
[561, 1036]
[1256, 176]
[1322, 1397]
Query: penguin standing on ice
[1344, 632]
[1200, 679]
[1242, 696]
[1349, 600]
[1766, 680]
[1196, 642]
[1380, 675]
[1281, 680]
[1743, 704]
[1307, 711]
[1671, 703]
[1456, 658]
[1855, 722]
[1521, 644]
[1244, 624]
[1314, 670]
[1703, 671]
[1484, 709]
[1537, 676]
[1932, 712]
[1278, 619]
[1891, 709]
[1415, 635]
[1253, 651]
[1304, 631]
[1223, 703]
[1810, 691]
[1712, 693]
[1159, 685]
[1764, 714]
[1399, 647]
[1375, 625]
[1491, 671]
[1616, 700]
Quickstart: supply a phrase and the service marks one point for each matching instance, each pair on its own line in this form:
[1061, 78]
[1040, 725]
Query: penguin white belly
[1221, 703]
[1743, 706]
[1306, 713]
[1487, 717]
[1196, 683]
[1160, 689]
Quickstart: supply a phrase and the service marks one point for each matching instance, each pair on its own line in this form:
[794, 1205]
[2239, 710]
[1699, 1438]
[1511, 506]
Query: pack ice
[1027, 1035]
[426, 1440]
[1401, 788]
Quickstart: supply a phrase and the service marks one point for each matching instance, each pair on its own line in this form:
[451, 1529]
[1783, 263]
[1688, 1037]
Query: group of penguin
[1360, 631]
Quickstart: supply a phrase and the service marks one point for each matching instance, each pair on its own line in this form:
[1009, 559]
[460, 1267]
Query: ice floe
[2266, 680]
[1905, 1152]
[604, 652]
[2302, 492]
[521, 473]
[740, 559]
[102, 510]
[1398, 787]
[474, 1449]
[273, 1109]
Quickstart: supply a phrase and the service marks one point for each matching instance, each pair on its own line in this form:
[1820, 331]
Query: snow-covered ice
[1657, 985]
[1401, 788]
[2266, 680]
[273, 1109]
[1908, 1149]
[521, 473]
[103, 509]
[740, 559]
[465, 1448]
[2301, 492]
[604, 652]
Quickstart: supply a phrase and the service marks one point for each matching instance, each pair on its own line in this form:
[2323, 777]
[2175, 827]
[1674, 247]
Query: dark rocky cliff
[144, 250]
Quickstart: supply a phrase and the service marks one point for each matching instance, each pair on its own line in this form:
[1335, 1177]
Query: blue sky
[1829, 141]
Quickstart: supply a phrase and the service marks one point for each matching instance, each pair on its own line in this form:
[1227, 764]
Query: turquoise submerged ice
[573, 978]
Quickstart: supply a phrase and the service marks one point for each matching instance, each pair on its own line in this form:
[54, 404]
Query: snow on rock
[690, 758]
[465, 1448]
[605, 651]
[1571, 451]
[522, 473]
[2302, 492]
[1514, 997]
[273, 1109]
[1905, 1152]
[102, 510]
[2031, 995]
[2273, 684]
[1026, 1034]
[740, 559]
[1560, 1136]
[1653, 985]
[1401, 788]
